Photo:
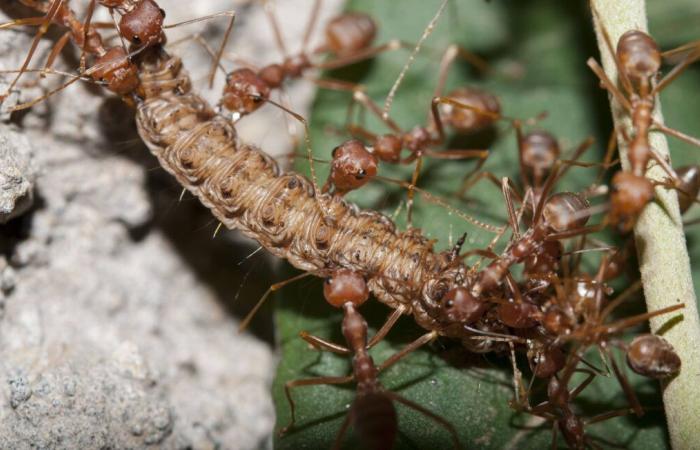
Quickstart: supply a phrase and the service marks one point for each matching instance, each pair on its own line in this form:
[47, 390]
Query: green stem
[663, 257]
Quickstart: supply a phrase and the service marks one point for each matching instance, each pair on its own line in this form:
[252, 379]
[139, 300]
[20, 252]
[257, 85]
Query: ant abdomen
[374, 418]
[566, 211]
[350, 32]
[629, 195]
[652, 356]
[639, 55]
[486, 110]
[539, 150]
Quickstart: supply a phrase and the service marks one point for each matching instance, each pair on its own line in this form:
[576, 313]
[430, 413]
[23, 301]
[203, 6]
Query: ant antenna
[427, 32]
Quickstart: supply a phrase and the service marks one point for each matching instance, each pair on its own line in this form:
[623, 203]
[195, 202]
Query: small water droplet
[433, 382]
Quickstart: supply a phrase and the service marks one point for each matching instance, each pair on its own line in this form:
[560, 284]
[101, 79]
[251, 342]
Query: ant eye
[449, 303]
[328, 281]
[257, 99]
[361, 174]
[136, 40]
[162, 12]
[335, 150]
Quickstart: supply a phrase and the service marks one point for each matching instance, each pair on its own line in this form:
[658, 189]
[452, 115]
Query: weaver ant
[348, 37]
[372, 414]
[638, 60]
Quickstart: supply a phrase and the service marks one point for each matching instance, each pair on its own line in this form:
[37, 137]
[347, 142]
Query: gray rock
[18, 173]
[115, 322]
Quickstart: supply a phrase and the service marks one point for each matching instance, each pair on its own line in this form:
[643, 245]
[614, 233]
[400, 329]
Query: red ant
[372, 413]
[348, 37]
[638, 61]
[141, 24]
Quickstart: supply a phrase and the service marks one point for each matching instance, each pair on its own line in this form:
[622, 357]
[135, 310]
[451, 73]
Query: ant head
[345, 286]
[639, 55]
[143, 25]
[629, 195]
[352, 166]
[689, 186]
[652, 356]
[539, 152]
[244, 92]
[460, 306]
[115, 69]
[388, 148]
[466, 120]
[566, 211]
[349, 33]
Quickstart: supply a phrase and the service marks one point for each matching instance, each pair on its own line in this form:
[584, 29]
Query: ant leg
[270, 290]
[607, 160]
[361, 133]
[574, 159]
[362, 98]
[676, 71]
[575, 232]
[227, 33]
[634, 320]
[276, 29]
[677, 134]
[625, 384]
[310, 25]
[197, 38]
[439, 201]
[437, 120]
[608, 84]
[43, 28]
[307, 140]
[384, 330]
[448, 426]
[622, 75]
[362, 55]
[341, 432]
[428, 337]
[512, 218]
[289, 385]
[470, 183]
[322, 344]
[411, 190]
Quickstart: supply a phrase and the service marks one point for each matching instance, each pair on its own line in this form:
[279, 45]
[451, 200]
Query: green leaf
[538, 51]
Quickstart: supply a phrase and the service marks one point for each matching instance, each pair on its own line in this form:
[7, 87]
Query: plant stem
[663, 257]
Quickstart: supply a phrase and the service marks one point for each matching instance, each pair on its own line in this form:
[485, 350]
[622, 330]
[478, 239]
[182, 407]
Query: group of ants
[556, 314]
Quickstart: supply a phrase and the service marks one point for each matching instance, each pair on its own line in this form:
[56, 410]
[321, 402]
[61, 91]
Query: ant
[348, 37]
[372, 413]
[141, 24]
[638, 60]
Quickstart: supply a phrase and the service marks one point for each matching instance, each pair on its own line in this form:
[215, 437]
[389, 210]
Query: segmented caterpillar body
[246, 190]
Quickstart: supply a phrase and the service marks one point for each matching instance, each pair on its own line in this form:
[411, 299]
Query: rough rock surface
[17, 173]
[116, 322]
